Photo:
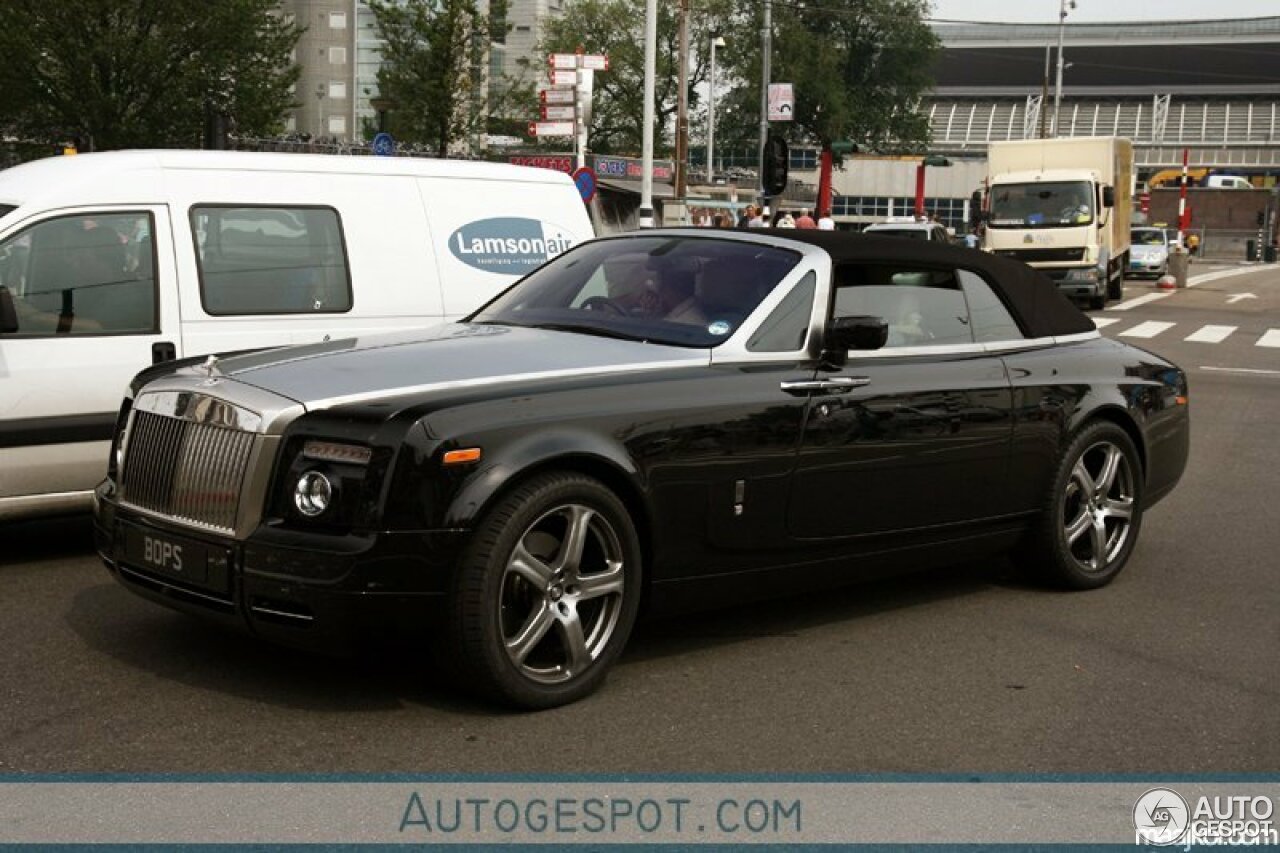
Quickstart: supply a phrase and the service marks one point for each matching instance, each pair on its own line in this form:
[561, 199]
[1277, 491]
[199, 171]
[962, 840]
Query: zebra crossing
[1204, 334]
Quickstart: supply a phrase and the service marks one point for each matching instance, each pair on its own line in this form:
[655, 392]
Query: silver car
[1148, 252]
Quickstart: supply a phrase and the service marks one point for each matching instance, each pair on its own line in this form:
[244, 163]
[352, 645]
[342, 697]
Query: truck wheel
[1115, 287]
[546, 596]
[1092, 514]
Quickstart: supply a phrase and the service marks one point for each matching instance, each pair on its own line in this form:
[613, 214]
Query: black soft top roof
[1029, 294]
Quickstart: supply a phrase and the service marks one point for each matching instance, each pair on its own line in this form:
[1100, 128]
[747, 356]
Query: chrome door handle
[834, 385]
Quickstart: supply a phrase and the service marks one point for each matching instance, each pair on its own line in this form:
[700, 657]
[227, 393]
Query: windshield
[6, 209]
[913, 233]
[1049, 205]
[680, 290]
[1147, 237]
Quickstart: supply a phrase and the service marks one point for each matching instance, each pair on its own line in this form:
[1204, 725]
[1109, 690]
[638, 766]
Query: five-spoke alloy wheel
[545, 600]
[1094, 510]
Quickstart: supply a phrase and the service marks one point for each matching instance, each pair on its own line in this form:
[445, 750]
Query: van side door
[93, 291]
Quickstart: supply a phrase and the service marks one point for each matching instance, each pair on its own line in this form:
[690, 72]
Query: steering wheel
[593, 303]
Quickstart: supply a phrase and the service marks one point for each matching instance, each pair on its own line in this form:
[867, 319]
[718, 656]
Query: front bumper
[325, 593]
[1077, 288]
[1148, 266]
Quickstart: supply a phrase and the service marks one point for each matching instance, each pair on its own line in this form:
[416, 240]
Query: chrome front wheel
[547, 594]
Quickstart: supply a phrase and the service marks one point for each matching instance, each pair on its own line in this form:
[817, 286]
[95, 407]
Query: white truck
[1063, 206]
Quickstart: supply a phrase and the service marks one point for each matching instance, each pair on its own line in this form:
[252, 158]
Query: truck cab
[1061, 206]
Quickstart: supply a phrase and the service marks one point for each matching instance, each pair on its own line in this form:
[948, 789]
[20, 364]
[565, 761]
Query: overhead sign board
[782, 102]
[557, 96]
[558, 113]
[551, 128]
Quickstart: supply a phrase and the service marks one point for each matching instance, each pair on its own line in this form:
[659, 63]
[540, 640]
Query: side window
[88, 274]
[271, 260]
[922, 307]
[787, 326]
[991, 320]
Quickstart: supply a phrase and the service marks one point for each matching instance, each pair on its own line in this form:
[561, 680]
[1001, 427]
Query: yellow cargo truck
[1063, 206]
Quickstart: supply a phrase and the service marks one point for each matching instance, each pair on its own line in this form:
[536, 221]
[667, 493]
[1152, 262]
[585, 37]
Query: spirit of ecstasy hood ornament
[210, 366]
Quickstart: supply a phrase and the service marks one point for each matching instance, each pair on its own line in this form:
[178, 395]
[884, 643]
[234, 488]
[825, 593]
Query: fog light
[312, 494]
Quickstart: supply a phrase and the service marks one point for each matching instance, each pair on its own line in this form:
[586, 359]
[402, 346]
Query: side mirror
[1108, 196]
[976, 213]
[854, 333]
[8, 313]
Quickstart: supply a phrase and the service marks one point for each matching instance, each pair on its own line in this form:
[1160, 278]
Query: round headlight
[312, 494]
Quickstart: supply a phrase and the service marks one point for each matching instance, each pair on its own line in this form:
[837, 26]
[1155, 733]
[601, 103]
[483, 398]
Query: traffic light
[774, 169]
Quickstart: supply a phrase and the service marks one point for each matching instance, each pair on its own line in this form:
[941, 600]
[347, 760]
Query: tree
[616, 29]
[433, 68]
[141, 73]
[860, 68]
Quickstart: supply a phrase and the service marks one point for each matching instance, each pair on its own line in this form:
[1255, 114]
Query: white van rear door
[488, 234]
[93, 288]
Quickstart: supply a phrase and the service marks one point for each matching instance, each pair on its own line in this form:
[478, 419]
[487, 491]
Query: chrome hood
[446, 357]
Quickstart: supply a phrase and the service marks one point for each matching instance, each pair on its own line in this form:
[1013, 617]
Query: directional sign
[562, 60]
[551, 128]
[594, 61]
[585, 179]
[557, 96]
[558, 113]
[782, 102]
[563, 78]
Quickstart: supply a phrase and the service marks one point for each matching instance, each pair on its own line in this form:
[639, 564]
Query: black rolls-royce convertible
[664, 418]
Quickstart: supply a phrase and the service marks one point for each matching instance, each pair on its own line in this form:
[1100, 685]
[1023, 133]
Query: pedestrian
[785, 220]
[804, 220]
[757, 218]
[748, 212]
[826, 223]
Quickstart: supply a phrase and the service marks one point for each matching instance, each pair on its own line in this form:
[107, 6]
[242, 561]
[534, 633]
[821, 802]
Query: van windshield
[6, 209]
[1042, 205]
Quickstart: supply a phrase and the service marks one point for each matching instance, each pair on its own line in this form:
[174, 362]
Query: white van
[112, 262]
[1228, 182]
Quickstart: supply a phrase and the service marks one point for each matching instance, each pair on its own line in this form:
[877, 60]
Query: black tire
[518, 579]
[1115, 287]
[1077, 522]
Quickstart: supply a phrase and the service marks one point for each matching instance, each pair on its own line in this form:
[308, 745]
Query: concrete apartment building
[340, 54]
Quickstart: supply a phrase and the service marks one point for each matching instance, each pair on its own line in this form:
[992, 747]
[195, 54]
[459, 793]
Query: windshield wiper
[588, 330]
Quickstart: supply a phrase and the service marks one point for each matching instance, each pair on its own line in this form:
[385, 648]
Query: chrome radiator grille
[191, 472]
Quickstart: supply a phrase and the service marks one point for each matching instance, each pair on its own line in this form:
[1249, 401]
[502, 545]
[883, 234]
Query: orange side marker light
[462, 457]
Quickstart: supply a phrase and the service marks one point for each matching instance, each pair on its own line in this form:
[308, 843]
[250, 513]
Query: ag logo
[1161, 816]
[508, 245]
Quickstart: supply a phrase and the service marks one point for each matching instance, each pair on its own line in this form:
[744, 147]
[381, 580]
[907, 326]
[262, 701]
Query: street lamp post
[930, 160]
[1062, 30]
[716, 41]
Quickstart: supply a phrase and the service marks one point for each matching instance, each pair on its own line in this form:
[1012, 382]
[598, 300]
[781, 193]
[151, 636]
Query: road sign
[551, 128]
[384, 145]
[558, 113]
[557, 96]
[594, 61]
[782, 102]
[585, 179]
[562, 60]
[563, 78]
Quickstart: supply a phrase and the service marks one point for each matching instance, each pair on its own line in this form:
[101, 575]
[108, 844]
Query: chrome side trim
[1082, 336]
[267, 611]
[508, 378]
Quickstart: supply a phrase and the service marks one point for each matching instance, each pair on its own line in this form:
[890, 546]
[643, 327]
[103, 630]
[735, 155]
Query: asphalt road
[1171, 669]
